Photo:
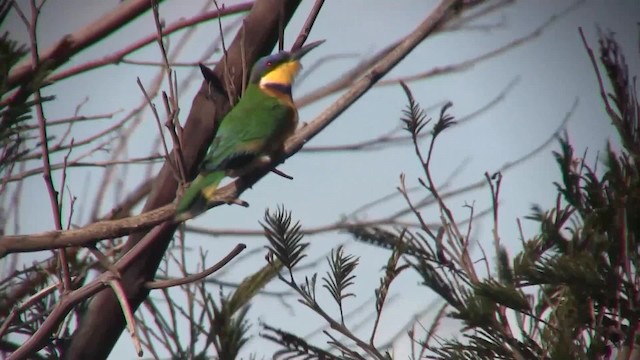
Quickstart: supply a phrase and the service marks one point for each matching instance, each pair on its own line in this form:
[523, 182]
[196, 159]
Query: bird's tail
[198, 195]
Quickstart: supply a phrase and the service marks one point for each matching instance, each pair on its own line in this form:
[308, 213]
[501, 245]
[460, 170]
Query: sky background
[545, 76]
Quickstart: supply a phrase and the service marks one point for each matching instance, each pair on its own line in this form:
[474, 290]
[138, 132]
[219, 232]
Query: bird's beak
[298, 54]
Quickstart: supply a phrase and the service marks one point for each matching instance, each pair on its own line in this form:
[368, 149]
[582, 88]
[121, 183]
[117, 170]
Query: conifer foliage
[573, 290]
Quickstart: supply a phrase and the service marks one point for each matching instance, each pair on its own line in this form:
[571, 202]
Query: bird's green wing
[251, 129]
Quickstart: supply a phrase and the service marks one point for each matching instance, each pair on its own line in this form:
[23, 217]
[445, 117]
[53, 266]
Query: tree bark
[103, 322]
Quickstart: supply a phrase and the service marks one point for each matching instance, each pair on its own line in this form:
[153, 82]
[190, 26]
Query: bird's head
[277, 71]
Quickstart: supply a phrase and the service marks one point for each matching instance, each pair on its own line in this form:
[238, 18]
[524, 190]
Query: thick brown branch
[79, 237]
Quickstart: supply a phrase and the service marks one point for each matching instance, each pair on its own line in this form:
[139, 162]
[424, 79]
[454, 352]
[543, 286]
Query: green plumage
[252, 132]
[256, 127]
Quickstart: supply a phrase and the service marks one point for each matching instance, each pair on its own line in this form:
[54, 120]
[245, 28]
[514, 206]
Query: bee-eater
[252, 132]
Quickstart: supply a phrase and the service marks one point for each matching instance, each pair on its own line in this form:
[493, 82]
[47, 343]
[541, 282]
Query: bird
[251, 133]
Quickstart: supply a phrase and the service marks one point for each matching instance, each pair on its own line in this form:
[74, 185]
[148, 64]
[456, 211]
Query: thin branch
[44, 143]
[187, 64]
[603, 93]
[171, 105]
[338, 225]
[77, 163]
[61, 309]
[108, 23]
[72, 44]
[391, 139]
[128, 314]
[466, 64]
[344, 80]
[76, 119]
[25, 305]
[79, 237]
[163, 284]
[306, 28]
[156, 116]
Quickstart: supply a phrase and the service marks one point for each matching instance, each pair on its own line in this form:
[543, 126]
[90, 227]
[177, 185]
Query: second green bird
[254, 130]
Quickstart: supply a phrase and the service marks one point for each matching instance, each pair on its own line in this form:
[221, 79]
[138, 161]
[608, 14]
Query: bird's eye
[269, 63]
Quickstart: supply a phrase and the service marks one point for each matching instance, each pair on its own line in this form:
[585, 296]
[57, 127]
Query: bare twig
[76, 119]
[390, 138]
[464, 65]
[25, 305]
[171, 105]
[71, 44]
[232, 92]
[77, 163]
[187, 64]
[44, 143]
[338, 225]
[162, 284]
[344, 80]
[603, 93]
[88, 234]
[128, 314]
[495, 196]
[156, 116]
[69, 300]
[306, 28]
[97, 29]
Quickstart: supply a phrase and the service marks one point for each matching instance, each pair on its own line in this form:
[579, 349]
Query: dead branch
[86, 235]
[306, 28]
[77, 163]
[162, 284]
[391, 138]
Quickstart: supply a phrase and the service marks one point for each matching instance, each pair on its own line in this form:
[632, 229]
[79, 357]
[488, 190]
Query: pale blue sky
[552, 69]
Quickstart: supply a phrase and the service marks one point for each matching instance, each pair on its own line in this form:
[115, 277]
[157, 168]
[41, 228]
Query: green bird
[252, 132]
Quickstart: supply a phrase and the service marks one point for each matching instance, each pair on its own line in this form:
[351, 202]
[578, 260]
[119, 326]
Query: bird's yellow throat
[284, 74]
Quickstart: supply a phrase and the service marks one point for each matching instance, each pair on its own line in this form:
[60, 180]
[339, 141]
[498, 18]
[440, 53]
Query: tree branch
[163, 284]
[72, 44]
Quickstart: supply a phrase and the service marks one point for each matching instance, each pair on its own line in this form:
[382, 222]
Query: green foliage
[228, 329]
[294, 346]
[374, 236]
[15, 109]
[414, 117]
[284, 238]
[340, 276]
[253, 284]
[12, 118]
[391, 271]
